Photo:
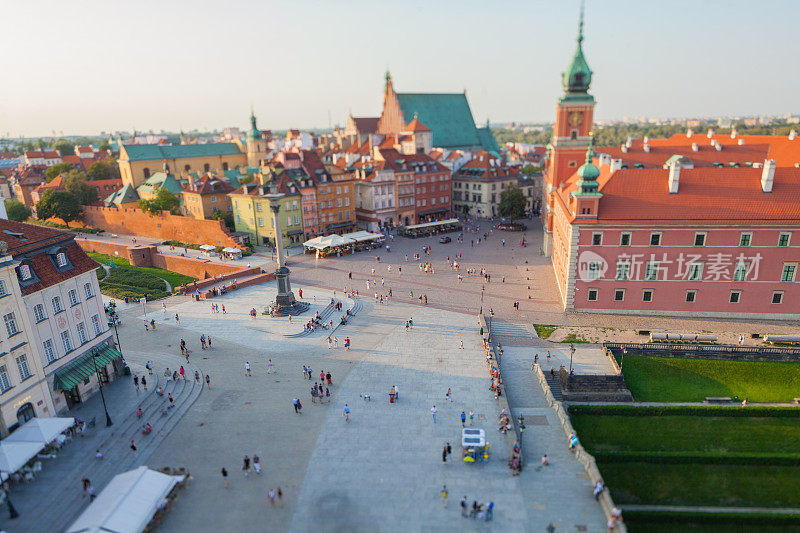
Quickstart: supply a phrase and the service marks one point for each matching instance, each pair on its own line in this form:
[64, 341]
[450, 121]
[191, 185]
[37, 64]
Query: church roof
[127, 194]
[416, 125]
[147, 152]
[162, 179]
[448, 115]
[366, 124]
[487, 139]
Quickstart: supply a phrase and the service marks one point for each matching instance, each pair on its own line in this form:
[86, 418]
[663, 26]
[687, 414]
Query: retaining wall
[701, 351]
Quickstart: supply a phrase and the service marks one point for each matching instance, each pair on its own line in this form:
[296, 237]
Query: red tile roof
[85, 150]
[209, 185]
[366, 124]
[705, 156]
[415, 125]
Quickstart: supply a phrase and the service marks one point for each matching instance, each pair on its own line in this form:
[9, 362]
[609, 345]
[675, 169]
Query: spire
[578, 77]
[580, 26]
[254, 132]
[588, 173]
[388, 78]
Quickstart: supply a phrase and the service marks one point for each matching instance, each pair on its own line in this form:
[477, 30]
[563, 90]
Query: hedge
[708, 458]
[101, 273]
[683, 410]
[135, 278]
[701, 517]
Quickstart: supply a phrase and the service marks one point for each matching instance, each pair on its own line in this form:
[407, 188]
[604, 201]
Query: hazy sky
[84, 66]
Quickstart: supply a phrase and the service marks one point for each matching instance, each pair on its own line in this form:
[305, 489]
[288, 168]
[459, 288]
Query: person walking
[328, 377]
[208, 382]
[256, 464]
[144, 383]
[490, 510]
[224, 477]
[295, 402]
[347, 343]
[471, 417]
[346, 413]
[197, 376]
[271, 496]
[133, 447]
[136, 382]
[246, 465]
[444, 453]
[463, 419]
[444, 496]
[178, 320]
[247, 369]
[449, 451]
[183, 374]
[269, 367]
[463, 506]
[433, 412]
[449, 395]
[280, 497]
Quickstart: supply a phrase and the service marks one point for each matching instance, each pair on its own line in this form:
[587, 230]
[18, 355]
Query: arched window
[146, 172]
[206, 167]
[574, 135]
[25, 413]
[187, 168]
[224, 166]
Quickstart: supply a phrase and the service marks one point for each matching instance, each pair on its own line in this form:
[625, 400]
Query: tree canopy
[64, 147]
[75, 183]
[225, 217]
[98, 171]
[17, 211]
[512, 203]
[164, 201]
[58, 203]
[57, 169]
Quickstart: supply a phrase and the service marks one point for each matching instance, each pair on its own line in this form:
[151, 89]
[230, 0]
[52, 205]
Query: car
[444, 239]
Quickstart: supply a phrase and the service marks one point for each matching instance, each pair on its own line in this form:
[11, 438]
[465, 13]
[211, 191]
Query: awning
[295, 232]
[81, 368]
[128, 502]
[340, 225]
[432, 212]
[208, 247]
[14, 455]
[42, 430]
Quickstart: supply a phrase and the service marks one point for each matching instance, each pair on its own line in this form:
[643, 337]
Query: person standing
[133, 447]
[208, 382]
[280, 497]
[246, 465]
[256, 464]
[269, 367]
[471, 417]
[463, 419]
[295, 402]
[463, 506]
[489, 510]
[197, 376]
[149, 367]
[271, 496]
[444, 496]
[144, 382]
[433, 412]
[449, 395]
[225, 477]
[247, 369]
[183, 373]
[444, 453]
[136, 382]
[449, 451]
[346, 413]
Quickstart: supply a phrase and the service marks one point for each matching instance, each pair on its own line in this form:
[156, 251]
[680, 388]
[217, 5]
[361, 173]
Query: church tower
[256, 144]
[571, 133]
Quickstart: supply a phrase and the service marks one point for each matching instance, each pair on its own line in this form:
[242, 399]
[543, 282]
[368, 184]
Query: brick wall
[162, 226]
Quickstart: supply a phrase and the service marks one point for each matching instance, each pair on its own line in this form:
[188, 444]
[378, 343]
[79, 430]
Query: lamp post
[483, 290]
[491, 316]
[571, 353]
[102, 396]
[12, 511]
[116, 332]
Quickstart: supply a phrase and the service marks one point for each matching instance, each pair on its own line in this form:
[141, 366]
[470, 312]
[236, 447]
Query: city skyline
[201, 66]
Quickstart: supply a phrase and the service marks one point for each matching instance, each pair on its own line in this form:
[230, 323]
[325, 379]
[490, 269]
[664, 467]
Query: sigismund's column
[285, 303]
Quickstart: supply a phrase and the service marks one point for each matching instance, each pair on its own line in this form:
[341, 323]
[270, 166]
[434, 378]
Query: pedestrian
[136, 382]
[449, 450]
[346, 413]
[462, 344]
[347, 343]
[463, 506]
[433, 412]
[256, 464]
[171, 401]
[328, 377]
[247, 369]
[280, 497]
[133, 447]
[322, 377]
[183, 374]
[178, 320]
[489, 511]
[85, 483]
[224, 312]
[271, 496]
[197, 376]
[463, 419]
[444, 496]
[449, 395]
[328, 394]
[90, 492]
[299, 407]
[209, 341]
[295, 401]
[269, 367]
[208, 381]
[144, 383]
[149, 367]
[246, 465]
[444, 454]
[471, 417]
[305, 371]
[545, 460]
[330, 342]
[225, 477]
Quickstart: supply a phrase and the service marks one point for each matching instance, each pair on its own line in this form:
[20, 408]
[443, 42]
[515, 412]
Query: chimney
[695, 147]
[713, 142]
[616, 164]
[629, 141]
[767, 175]
[646, 139]
[718, 147]
[740, 142]
[674, 177]
[710, 133]
[646, 148]
[689, 133]
[624, 148]
[733, 133]
[792, 135]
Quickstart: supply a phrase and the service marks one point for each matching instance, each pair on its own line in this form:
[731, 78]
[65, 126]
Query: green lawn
[697, 484]
[666, 379]
[647, 522]
[544, 330]
[723, 435]
[134, 282]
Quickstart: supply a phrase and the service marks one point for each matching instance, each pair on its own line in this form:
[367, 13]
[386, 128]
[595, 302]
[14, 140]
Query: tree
[16, 210]
[57, 169]
[512, 203]
[225, 217]
[164, 201]
[64, 147]
[105, 145]
[530, 169]
[75, 183]
[98, 171]
[60, 204]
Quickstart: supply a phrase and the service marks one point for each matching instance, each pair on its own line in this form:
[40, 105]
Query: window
[57, 307]
[260, 221]
[296, 220]
[699, 239]
[11, 324]
[82, 337]
[4, 383]
[787, 274]
[592, 295]
[695, 271]
[655, 239]
[740, 272]
[594, 270]
[783, 239]
[22, 365]
[3, 288]
[49, 351]
[651, 271]
[690, 295]
[735, 296]
[625, 239]
[597, 239]
[25, 272]
[38, 312]
[623, 270]
[777, 297]
[647, 295]
[258, 207]
[87, 289]
[73, 297]
[619, 295]
[98, 329]
[66, 341]
[61, 259]
[745, 238]
[288, 221]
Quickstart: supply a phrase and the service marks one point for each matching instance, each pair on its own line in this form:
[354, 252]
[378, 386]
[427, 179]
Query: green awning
[81, 368]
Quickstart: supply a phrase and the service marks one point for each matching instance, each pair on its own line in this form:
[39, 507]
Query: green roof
[84, 366]
[447, 114]
[125, 195]
[488, 141]
[160, 180]
[147, 152]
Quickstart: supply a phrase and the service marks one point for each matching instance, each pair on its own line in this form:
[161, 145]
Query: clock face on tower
[575, 119]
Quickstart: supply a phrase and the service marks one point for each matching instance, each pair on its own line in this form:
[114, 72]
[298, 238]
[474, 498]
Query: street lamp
[483, 290]
[12, 511]
[571, 353]
[491, 315]
[102, 396]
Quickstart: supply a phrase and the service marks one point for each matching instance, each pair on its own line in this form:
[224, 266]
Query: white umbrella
[208, 247]
[42, 430]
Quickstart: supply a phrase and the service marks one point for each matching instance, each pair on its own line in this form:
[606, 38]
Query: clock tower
[571, 133]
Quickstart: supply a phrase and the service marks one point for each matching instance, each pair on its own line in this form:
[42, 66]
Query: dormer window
[61, 259]
[25, 272]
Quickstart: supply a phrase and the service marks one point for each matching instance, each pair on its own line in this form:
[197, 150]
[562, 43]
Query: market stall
[474, 445]
[329, 244]
[232, 253]
[365, 240]
[208, 249]
[430, 228]
[129, 502]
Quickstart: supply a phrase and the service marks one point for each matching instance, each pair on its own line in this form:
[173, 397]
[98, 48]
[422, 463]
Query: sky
[88, 66]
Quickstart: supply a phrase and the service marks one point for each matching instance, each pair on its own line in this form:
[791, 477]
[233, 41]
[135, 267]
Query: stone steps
[555, 386]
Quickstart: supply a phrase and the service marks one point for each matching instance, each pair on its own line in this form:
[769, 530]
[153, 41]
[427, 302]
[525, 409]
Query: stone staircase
[555, 386]
[501, 328]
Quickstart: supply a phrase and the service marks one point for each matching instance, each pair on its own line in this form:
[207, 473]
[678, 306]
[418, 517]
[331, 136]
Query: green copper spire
[254, 132]
[388, 78]
[578, 77]
[588, 173]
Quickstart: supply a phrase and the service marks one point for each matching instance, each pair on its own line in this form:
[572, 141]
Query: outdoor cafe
[22, 451]
[341, 244]
[430, 228]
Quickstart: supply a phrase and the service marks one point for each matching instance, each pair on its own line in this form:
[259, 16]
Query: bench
[719, 399]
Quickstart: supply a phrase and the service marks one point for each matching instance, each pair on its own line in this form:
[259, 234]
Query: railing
[655, 348]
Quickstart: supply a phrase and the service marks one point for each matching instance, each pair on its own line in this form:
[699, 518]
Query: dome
[588, 172]
[578, 76]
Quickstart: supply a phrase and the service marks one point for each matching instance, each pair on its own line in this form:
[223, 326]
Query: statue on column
[285, 303]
